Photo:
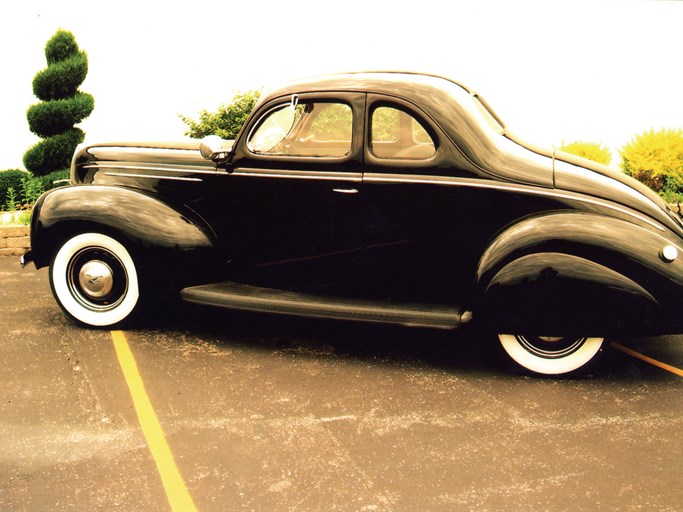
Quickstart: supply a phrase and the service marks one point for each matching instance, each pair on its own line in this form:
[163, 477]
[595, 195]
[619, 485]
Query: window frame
[354, 101]
[376, 101]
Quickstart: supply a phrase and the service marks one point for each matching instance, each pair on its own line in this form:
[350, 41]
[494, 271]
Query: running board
[251, 298]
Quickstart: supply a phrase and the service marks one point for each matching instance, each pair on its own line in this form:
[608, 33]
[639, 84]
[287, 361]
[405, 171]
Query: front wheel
[95, 280]
[552, 355]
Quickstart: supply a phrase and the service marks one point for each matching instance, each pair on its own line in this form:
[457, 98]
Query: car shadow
[469, 351]
[457, 351]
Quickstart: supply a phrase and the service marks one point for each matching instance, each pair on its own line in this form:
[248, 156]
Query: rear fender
[138, 217]
[576, 272]
[558, 294]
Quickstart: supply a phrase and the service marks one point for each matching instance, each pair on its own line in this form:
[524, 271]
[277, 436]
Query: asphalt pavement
[208, 410]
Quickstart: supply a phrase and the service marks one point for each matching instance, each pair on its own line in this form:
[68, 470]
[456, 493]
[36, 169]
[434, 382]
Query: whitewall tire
[552, 355]
[95, 280]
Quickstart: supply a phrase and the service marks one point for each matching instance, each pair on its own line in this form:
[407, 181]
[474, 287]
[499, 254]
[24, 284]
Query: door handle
[345, 190]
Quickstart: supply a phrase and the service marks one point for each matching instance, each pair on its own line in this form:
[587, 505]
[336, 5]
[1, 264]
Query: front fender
[579, 272]
[141, 218]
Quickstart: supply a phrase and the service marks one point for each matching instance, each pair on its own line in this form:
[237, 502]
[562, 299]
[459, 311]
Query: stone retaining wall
[14, 240]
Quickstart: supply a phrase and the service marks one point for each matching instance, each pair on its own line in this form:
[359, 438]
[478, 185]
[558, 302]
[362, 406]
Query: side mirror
[214, 148]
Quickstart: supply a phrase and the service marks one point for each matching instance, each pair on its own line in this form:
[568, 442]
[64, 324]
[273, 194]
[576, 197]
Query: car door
[430, 211]
[288, 204]
[421, 231]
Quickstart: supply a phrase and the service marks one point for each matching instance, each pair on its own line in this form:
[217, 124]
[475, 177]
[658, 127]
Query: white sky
[599, 71]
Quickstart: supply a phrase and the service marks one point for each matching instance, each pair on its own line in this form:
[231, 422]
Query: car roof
[388, 82]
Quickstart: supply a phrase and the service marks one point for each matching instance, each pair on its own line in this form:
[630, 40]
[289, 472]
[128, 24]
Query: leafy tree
[227, 121]
[62, 105]
[656, 159]
[590, 150]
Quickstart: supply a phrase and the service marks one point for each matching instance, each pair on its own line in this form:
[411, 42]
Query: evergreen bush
[61, 108]
[47, 182]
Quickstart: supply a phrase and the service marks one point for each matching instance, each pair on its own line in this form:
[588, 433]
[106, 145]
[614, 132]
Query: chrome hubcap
[551, 347]
[550, 339]
[96, 279]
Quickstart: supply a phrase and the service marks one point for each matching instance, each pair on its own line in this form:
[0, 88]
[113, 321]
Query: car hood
[177, 156]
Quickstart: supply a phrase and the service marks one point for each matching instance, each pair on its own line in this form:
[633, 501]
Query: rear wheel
[95, 280]
[552, 355]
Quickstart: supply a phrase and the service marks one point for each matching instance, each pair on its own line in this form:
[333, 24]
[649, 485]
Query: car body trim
[514, 187]
[151, 176]
[355, 177]
[195, 169]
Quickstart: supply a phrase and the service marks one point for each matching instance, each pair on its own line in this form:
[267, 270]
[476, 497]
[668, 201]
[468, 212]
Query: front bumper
[26, 258]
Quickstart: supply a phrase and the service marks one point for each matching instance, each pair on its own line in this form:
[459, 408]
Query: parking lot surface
[251, 412]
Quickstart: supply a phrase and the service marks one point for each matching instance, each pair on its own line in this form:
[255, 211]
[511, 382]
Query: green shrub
[656, 159]
[11, 203]
[10, 179]
[48, 181]
[24, 218]
[18, 189]
[590, 150]
[31, 190]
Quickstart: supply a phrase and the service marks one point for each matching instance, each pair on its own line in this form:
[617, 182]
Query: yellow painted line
[178, 496]
[654, 362]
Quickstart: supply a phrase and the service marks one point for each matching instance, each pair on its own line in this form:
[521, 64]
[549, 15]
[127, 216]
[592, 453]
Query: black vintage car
[381, 197]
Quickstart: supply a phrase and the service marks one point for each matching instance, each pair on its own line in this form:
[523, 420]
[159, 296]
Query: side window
[396, 134]
[309, 129]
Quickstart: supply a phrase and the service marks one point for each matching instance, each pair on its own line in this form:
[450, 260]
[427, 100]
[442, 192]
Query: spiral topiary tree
[62, 106]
